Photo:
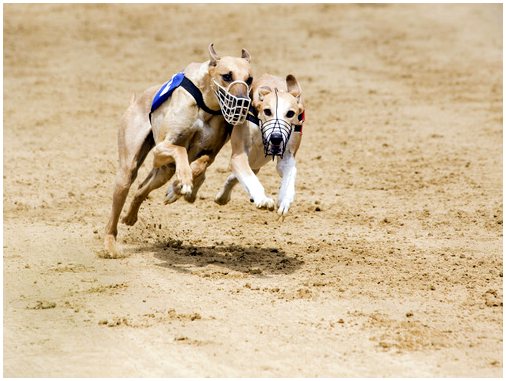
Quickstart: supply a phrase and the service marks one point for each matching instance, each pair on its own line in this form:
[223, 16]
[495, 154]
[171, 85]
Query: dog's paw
[265, 203]
[183, 185]
[130, 219]
[186, 190]
[176, 190]
[190, 197]
[111, 249]
[171, 196]
[283, 208]
[222, 198]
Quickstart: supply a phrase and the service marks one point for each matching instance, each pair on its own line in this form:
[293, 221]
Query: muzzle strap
[302, 119]
[253, 116]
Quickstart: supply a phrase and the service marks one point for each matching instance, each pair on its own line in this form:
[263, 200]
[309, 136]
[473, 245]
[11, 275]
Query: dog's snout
[239, 89]
[276, 139]
[240, 93]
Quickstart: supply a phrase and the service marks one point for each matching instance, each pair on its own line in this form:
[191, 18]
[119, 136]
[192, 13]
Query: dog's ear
[263, 91]
[246, 55]
[293, 86]
[212, 54]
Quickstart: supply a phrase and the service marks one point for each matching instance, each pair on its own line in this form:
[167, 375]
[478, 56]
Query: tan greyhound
[276, 131]
[181, 132]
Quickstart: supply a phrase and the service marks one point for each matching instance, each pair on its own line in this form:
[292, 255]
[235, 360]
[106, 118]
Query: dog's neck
[204, 83]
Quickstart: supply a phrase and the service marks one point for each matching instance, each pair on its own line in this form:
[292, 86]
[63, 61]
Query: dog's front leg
[287, 170]
[242, 170]
[243, 173]
[198, 168]
[165, 153]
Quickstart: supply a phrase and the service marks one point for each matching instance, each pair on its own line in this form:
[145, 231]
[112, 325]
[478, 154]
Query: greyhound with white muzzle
[234, 109]
[275, 131]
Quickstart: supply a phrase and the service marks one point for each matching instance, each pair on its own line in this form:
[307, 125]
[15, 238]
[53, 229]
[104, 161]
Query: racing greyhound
[187, 120]
[276, 131]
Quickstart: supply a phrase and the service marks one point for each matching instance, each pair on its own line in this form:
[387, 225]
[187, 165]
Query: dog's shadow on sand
[249, 259]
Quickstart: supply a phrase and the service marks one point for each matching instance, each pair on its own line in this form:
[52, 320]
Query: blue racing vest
[166, 90]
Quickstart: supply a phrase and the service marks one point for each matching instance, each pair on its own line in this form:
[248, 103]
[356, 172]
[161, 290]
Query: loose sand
[390, 262]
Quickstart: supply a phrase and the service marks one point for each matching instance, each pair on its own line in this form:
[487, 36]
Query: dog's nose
[239, 89]
[243, 96]
[276, 139]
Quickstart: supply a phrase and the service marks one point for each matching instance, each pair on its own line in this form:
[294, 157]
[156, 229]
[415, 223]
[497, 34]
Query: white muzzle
[275, 135]
[234, 109]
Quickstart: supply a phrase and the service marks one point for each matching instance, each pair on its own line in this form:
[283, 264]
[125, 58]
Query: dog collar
[302, 118]
[253, 116]
[197, 95]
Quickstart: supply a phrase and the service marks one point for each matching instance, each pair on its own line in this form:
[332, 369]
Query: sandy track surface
[389, 264]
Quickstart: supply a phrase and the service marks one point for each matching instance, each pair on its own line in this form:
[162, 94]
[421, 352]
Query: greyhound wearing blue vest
[182, 130]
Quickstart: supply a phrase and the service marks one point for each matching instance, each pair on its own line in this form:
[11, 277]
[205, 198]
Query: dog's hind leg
[155, 179]
[197, 183]
[224, 195]
[132, 153]
[124, 178]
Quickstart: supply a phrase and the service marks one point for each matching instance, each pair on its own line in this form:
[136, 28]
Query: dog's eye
[290, 114]
[249, 81]
[268, 112]
[227, 77]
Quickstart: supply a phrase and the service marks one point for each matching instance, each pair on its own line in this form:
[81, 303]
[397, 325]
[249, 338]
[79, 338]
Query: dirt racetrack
[389, 263]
